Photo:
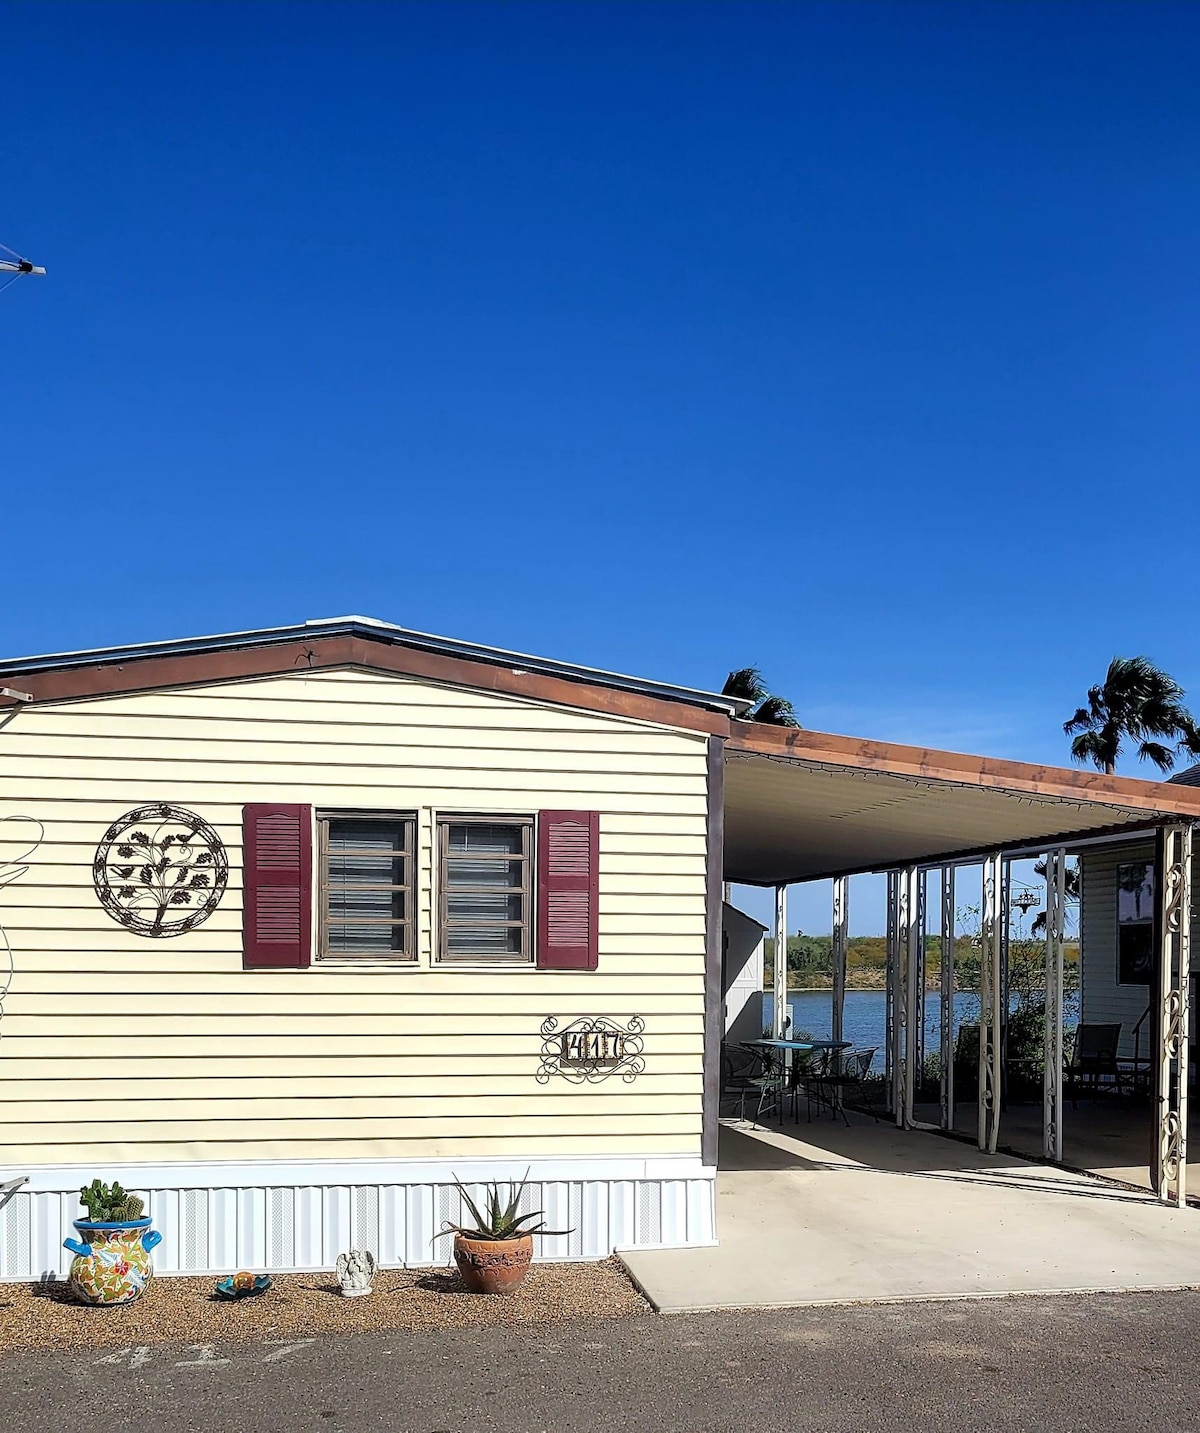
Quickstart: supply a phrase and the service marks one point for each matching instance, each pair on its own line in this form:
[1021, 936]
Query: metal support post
[947, 1011]
[841, 939]
[1174, 979]
[990, 978]
[780, 1013]
[899, 999]
[1052, 1079]
[923, 957]
[912, 945]
[1004, 1003]
[890, 1018]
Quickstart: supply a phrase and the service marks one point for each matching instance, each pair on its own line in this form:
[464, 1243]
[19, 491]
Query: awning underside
[789, 820]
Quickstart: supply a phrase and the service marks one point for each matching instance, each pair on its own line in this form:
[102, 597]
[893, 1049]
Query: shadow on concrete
[914, 1154]
[738, 1152]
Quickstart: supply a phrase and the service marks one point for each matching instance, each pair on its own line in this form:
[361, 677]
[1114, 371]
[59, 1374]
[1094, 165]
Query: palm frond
[746, 683]
[775, 711]
[1162, 756]
[1090, 746]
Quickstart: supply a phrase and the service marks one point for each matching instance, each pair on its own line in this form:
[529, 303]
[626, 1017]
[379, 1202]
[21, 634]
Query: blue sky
[857, 341]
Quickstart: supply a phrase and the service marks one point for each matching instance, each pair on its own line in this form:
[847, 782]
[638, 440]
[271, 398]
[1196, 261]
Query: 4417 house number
[591, 1049]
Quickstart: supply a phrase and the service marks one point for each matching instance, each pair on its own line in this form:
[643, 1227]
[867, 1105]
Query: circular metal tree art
[160, 870]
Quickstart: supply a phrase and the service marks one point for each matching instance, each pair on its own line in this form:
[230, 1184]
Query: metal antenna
[13, 266]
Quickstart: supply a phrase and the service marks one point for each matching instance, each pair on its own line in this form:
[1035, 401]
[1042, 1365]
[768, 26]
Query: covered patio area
[946, 829]
[1110, 1141]
[822, 1214]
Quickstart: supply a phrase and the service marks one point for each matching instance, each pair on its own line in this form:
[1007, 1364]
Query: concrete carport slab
[871, 1213]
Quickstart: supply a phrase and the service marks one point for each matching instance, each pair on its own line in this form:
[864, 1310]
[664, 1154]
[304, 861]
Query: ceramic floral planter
[492, 1266]
[112, 1264]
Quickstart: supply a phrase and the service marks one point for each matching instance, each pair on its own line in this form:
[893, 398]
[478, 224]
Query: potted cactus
[112, 1264]
[494, 1250]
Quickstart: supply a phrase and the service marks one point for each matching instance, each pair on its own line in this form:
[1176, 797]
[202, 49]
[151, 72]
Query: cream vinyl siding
[118, 1048]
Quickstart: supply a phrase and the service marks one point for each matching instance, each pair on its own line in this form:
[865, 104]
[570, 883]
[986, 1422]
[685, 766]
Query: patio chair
[748, 1075]
[1093, 1068]
[849, 1076]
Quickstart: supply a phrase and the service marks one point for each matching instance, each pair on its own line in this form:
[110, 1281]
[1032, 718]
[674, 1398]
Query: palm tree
[1070, 891]
[1138, 701]
[747, 683]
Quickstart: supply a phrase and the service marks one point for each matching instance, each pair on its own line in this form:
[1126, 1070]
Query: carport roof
[800, 805]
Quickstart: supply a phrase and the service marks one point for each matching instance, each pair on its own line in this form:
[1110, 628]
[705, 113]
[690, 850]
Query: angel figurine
[355, 1270]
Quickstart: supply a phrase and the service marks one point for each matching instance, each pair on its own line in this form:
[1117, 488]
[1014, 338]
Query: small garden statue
[355, 1270]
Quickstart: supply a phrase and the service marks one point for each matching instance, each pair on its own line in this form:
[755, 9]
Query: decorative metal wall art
[591, 1049]
[20, 836]
[160, 870]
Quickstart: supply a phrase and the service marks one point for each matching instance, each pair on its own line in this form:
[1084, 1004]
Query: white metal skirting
[219, 1218]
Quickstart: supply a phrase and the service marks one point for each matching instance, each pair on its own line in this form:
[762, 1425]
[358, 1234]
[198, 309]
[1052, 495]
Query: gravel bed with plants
[184, 1311]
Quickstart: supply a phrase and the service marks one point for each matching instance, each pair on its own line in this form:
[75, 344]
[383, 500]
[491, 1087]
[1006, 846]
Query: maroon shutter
[568, 890]
[277, 880]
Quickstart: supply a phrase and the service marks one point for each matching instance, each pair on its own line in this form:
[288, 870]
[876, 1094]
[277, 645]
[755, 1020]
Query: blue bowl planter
[242, 1286]
[112, 1264]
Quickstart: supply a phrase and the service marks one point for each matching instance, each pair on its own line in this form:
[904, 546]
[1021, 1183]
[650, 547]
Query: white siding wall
[742, 974]
[1104, 1000]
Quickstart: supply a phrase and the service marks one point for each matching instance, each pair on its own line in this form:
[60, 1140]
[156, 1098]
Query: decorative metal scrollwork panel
[160, 870]
[1174, 982]
[591, 1049]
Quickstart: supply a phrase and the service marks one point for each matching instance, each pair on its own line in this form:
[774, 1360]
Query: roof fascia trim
[321, 651]
[373, 630]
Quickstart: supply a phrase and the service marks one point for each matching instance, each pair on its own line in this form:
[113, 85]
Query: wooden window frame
[527, 824]
[407, 954]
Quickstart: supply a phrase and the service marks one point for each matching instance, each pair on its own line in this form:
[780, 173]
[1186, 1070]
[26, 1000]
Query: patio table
[803, 1047]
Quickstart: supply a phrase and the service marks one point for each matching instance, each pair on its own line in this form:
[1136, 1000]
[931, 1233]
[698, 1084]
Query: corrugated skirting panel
[279, 1227]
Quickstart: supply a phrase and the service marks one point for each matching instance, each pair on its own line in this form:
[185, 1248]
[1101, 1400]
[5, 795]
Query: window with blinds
[485, 889]
[366, 891]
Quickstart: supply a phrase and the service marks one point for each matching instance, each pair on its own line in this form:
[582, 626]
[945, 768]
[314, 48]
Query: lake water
[864, 1022]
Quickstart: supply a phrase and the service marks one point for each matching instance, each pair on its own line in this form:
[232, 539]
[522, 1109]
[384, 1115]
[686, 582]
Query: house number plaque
[591, 1049]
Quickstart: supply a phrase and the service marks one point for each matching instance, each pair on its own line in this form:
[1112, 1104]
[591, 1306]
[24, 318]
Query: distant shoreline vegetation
[810, 963]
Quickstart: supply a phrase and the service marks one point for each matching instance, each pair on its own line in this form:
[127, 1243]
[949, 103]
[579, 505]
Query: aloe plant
[498, 1220]
[110, 1204]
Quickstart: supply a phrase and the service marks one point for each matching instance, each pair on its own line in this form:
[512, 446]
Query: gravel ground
[305, 1305]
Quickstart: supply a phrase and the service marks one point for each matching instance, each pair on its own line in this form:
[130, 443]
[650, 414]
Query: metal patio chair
[751, 1076]
[1093, 1068]
[847, 1077]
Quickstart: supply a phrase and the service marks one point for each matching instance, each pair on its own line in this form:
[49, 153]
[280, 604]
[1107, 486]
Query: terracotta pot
[492, 1266]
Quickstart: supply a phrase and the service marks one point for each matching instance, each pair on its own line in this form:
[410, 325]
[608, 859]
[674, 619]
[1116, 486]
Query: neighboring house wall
[1104, 1000]
[742, 974]
[301, 1106]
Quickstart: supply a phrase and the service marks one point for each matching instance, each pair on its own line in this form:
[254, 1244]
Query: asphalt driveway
[1061, 1365]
